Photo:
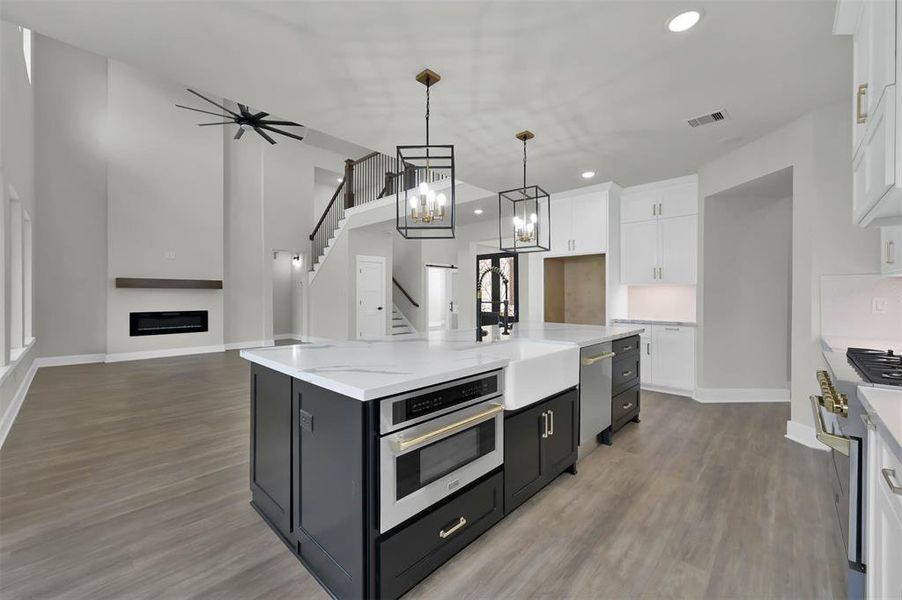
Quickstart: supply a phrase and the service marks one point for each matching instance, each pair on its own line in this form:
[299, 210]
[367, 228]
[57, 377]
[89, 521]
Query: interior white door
[677, 249]
[590, 222]
[674, 356]
[371, 314]
[639, 252]
[561, 226]
[441, 308]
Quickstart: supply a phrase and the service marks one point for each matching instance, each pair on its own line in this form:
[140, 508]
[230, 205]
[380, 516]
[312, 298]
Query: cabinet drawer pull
[627, 348]
[544, 425]
[551, 426]
[671, 328]
[444, 533]
[627, 373]
[860, 117]
[890, 476]
[627, 406]
[648, 348]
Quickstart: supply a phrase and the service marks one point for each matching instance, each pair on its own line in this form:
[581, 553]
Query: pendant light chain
[428, 87]
[524, 164]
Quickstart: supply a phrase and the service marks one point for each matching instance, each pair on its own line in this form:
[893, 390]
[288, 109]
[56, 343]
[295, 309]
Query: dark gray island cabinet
[314, 478]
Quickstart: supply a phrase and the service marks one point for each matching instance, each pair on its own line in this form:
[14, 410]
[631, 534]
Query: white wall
[165, 196]
[71, 209]
[327, 312]
[824, 240]
[748, 278]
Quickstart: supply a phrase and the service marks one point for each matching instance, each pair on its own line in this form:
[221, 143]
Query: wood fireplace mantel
[177, 284]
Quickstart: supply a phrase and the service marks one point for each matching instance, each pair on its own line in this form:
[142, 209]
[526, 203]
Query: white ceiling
[602, 84]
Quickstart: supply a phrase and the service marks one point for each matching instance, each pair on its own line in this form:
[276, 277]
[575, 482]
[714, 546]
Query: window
[493, 293]
[27, 288]
[17, 280]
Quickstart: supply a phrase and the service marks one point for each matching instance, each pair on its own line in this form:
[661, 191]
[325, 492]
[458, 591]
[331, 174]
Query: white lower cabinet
[884, 551]
[668, 357]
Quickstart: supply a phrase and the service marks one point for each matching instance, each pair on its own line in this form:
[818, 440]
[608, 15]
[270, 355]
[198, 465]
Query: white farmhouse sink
[536, 370]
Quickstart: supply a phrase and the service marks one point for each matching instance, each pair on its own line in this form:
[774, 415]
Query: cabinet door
[884, 577]
[679, 201]
[639, 252]
[891, 247]
[639, 205]
[678, 249]
[874, 170]
[645, 358]
[590, 222]
[861, 48]
[561, 230]
[523, 468]
[271, 446]
[674, 352]
[882, 53]
[560, 445]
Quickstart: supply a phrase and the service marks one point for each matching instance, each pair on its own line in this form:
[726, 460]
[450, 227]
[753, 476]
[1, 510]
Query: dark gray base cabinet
[539, 443]
[625, 382]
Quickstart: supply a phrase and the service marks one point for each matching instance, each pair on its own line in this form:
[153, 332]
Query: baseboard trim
[12, 411]
[124, 356]
[740, 395]
[72, 359]
[803, 434]
[249, 344]
[663, 389]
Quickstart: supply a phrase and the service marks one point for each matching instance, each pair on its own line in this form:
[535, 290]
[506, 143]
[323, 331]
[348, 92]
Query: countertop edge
[374, 393]
[655, 322]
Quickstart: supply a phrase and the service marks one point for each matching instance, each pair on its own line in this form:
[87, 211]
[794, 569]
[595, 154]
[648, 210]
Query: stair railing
[403, 291]
[325, 227]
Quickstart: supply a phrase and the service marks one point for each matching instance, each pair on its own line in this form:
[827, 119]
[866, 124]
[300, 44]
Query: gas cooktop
[877, 366]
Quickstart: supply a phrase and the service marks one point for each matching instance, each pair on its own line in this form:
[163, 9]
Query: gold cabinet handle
[839, 443]
[626, 373]
[860, 117]
[627, 406]
[444, 533]
[420, 439]
[591, 360]
[889, 475]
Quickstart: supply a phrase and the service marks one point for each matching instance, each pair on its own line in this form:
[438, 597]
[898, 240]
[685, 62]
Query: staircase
[365, 180]
[399, 323]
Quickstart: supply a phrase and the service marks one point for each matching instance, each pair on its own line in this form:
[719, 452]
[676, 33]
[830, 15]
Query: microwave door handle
[403, 445]
[837, 442]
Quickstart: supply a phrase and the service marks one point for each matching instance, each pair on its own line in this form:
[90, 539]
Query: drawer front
[625, 345]
[625, 373]
[423, 545]
[624, 407]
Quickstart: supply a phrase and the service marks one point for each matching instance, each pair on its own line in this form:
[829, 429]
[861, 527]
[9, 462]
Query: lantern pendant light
[524, 214]
[424, 200]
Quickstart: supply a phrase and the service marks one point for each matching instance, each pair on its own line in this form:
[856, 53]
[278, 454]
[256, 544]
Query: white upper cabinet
[659, 232]
[876, 107]
[579, 223]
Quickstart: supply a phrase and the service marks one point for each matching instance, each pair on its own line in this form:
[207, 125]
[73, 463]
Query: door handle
[654, 272]
[551, 420]
[444, 533]
[378, 308]
[405, 444]
[889, 475]
[545, 425]
[648, 348]
[591, 360]
[860, 117]
[891, 252]
[654, 209]
[660, 209]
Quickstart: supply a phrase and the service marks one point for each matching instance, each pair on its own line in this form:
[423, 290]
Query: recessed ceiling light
[588, 174]
[684, 21]
[478, 211]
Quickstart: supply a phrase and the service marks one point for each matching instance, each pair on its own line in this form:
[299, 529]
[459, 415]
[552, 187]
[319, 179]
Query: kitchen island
[376, 461]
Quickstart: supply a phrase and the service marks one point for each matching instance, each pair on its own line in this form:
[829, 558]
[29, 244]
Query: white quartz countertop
[841, 344]
[885, 408]
[654, 322]
[367, 370]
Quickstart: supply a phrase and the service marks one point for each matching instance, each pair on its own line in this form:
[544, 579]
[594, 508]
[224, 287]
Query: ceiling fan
[245, 120]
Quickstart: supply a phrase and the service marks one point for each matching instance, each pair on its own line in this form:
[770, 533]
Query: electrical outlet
[878, 306]
[169, 254]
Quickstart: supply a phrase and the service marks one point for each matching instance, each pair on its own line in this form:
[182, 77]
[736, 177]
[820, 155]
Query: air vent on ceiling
[714, 117]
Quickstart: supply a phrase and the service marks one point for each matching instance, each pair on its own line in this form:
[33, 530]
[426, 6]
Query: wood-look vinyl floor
[130, 480]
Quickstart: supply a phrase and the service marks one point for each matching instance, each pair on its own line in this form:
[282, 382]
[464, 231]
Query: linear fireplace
[162, 323]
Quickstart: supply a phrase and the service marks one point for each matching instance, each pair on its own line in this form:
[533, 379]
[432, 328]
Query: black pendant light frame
[424, 163]
[519, 201]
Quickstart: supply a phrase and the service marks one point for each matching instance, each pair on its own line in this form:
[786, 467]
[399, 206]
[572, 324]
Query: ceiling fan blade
[223, 123]
[239, 133]
[243, 109]
[265, 137]
[199, 95]
[291, 123]
[280, 132]
[260, 115]
[206, 112]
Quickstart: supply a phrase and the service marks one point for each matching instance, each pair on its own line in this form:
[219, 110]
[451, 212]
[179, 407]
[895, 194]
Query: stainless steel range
[877, 366]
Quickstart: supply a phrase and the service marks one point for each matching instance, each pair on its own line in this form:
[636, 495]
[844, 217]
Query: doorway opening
[287, 297]
[441, 307]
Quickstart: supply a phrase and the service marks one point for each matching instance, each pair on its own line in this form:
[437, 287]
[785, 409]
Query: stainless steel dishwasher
[594, 392]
